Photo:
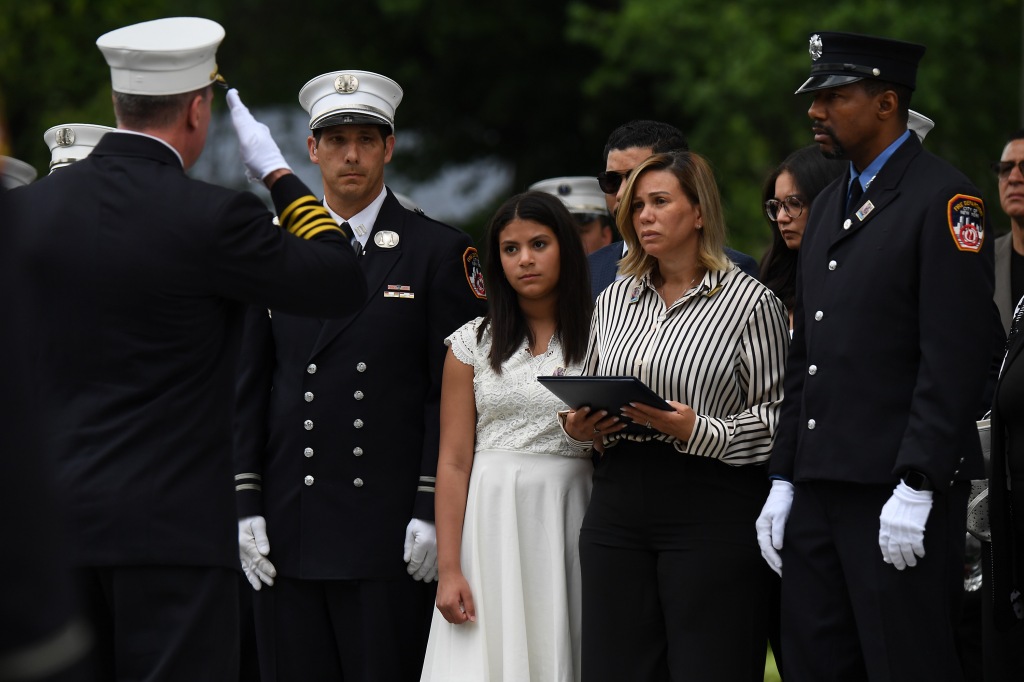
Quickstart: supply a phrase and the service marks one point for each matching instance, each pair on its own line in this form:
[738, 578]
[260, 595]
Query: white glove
[421, 550]
[253, 548]
[771, 523]
[901, 525]
[260, 153]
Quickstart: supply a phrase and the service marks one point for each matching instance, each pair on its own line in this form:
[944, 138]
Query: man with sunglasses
[627, 146]
[1010, 247]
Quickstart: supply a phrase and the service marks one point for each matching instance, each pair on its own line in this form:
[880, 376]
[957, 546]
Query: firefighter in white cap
[337, 437]
[583, 196]
[140, 276]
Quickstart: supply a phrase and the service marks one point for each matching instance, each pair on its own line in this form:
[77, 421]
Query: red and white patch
[474, 273]
[967, 222]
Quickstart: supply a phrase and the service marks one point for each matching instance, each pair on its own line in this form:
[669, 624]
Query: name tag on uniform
[398, 291]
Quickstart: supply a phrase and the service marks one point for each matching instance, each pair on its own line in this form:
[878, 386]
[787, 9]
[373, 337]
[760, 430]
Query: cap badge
[386, 239]
[815, 47]
[346, 84]
[564, 190]
[65, 137]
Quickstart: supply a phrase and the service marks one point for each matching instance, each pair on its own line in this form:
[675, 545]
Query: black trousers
[849, 616]
[160, 623]
[674, 586]
[343, 630]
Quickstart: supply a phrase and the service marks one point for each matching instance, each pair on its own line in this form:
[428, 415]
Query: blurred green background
[533, 87]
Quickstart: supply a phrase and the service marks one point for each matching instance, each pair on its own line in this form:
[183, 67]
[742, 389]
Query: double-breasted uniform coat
[890, 355]
[339, 420]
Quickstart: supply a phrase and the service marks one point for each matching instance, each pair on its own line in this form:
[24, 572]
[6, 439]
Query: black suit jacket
[892, 332]
[337, 433]
[604, 265]
[139, 275]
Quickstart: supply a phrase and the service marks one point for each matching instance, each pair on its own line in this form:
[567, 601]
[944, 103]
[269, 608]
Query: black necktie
[855, 194]
[356, 246]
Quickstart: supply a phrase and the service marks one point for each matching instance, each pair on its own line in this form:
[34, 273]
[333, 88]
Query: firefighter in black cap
[877, 440]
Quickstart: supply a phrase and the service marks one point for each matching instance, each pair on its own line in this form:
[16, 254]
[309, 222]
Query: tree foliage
[539, 84]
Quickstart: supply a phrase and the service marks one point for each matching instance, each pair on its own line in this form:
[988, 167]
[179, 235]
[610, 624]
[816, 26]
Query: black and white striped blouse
[721, 349]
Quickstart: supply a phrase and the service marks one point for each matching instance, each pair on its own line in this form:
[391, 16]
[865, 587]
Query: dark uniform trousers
[847, 615]
[336, 446]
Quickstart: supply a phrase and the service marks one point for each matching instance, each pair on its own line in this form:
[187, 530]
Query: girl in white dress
[511, 493]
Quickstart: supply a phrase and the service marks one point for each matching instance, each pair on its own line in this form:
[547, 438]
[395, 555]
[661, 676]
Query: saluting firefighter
[338, 424]
[140, 277]
[891, 349]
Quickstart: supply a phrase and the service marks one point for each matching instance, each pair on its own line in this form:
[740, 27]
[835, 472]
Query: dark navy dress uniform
[337, 444]
[140, 277]
[890, 355]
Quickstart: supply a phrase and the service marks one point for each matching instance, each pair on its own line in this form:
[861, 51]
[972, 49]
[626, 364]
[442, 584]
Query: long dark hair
[508, 326]
[811, 173]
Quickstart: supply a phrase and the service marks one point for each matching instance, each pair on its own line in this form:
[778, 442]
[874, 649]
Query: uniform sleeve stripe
[305, 218]
[245, 476]
[428, 479]
[248, 486]
[425, 489]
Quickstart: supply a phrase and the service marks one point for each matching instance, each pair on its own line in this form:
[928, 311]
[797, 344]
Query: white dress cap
[70, 142]
[15, 172]
[350, 97]
[580, 194]
[162, 57]
[919, 123]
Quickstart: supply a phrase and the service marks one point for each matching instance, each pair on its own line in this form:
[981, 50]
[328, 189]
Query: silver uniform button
[358, 395]
[311, 369]
[308, 480]
[358, 483]
[308, 424]
[818, 315]
[832, 265]
[308, 396]
[308, 452]
[357, 451]
[361, 367]
[811, 424]
[812, 370]
[358, 423]
[846, 225]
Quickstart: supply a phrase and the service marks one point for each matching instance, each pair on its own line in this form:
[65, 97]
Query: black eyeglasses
[1004, 168]
[792, 205]
[610, 181]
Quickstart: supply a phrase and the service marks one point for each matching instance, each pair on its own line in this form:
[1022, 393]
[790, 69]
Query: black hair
[504, 316]
[382, 128]
[873, 87]
[812, 172]
[660, 137]
[141, 112]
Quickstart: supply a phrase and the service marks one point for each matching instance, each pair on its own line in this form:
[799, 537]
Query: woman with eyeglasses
[674, 587]
[788, 193]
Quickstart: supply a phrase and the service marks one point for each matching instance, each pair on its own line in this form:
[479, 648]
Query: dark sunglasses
[610, 181]
[1004, 168]
[792, 205]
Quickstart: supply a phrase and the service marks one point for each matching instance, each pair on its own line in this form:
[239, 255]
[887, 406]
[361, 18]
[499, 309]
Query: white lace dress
[528, 492]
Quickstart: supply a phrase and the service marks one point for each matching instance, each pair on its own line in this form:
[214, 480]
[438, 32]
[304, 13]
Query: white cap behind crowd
[162, 57]
[920, 124]
[15, 172]
[70, 142]
[350, 97]
[580, 194]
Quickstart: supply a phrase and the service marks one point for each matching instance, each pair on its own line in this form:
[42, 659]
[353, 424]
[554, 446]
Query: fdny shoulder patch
[474, 273]
[967, 222]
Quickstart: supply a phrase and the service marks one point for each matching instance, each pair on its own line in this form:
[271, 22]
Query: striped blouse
[721, 349]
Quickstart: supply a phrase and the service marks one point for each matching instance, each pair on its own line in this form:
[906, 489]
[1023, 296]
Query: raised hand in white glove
[260, 153]
[901, 525]
[253, 548]
[771, 523]
[421, 550]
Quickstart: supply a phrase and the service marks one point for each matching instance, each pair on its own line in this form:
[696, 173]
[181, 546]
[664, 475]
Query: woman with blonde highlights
[674, 586]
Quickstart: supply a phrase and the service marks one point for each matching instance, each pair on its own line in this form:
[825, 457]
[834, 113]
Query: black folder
[606, 393]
